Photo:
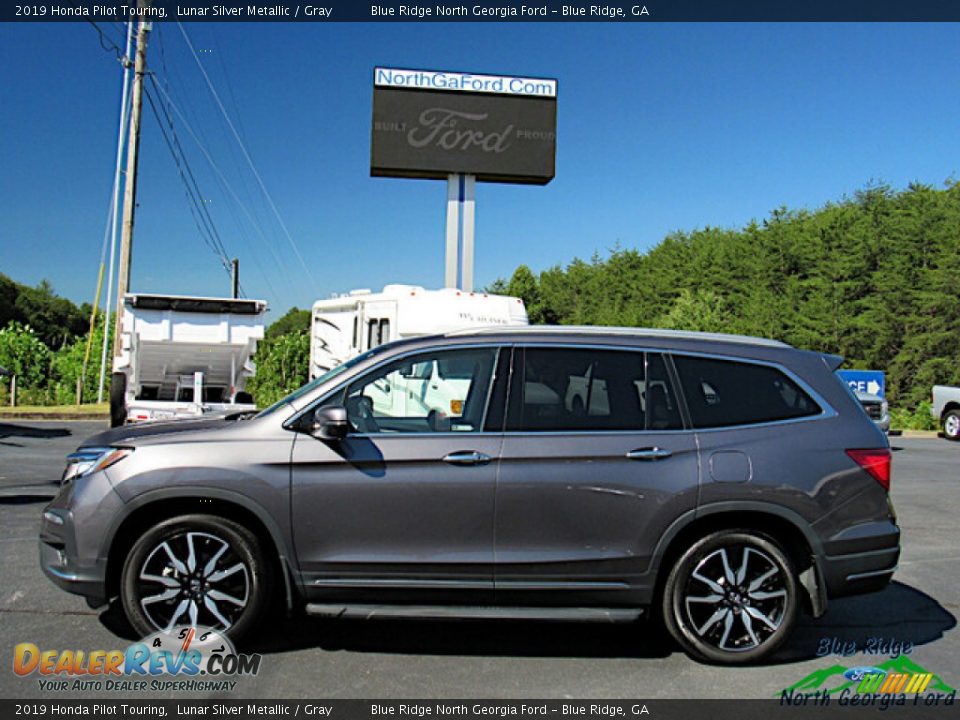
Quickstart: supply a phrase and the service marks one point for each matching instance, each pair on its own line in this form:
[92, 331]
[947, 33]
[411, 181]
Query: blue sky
[661, 127]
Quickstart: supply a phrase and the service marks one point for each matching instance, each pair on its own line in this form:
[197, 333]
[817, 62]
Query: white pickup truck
[946, 410]
[184, 356]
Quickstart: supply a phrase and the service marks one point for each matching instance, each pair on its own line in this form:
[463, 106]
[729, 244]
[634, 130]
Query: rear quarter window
[722, 393]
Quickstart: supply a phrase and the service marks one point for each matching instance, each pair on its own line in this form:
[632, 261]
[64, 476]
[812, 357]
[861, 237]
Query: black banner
[834, 709]
[488, 11]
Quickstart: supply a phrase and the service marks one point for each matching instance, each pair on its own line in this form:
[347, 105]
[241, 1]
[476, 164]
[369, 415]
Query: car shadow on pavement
[511, 638]
[442, 637]
[9, 430]
[900, 613]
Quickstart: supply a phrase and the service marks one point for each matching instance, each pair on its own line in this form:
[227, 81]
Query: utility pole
[235, 277]
[130, 189]
[114, 206]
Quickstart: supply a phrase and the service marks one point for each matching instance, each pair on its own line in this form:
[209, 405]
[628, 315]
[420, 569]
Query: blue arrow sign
[870, 381]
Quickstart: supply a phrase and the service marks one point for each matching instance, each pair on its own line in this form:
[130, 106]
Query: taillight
[875, 461]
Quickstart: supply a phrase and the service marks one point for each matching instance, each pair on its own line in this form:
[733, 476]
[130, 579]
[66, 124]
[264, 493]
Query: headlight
[87, 461]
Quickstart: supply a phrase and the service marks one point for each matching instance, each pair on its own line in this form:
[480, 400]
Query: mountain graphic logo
[899, 674]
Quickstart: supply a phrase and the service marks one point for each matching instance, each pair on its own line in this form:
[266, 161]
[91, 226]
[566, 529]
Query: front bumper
[861, 560]
[86, 580]
[72, 532]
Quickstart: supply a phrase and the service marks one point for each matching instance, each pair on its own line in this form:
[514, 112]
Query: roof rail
[619, 331]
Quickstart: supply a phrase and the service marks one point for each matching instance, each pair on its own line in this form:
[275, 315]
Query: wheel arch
[155, 506]
[951, 405]
[787, 527]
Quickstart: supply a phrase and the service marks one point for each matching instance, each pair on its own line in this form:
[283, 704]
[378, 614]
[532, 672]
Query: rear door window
[573, 389]
[725, 392]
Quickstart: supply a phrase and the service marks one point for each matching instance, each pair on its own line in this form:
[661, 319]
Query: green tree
[700, 310]
[24, 355]
[295, 320]
[282, 366]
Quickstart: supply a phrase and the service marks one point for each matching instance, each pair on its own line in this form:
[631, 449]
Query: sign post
[461, 218]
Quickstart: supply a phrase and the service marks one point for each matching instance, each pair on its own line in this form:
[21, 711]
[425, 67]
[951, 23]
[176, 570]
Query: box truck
[184, 356]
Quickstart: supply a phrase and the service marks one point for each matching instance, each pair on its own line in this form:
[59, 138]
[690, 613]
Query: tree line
[873, 277]
[43, 340]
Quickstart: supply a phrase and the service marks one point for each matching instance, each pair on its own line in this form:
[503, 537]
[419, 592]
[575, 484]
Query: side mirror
[330, 423]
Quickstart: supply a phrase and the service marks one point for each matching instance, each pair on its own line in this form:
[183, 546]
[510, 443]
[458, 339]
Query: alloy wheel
[736, 598]
[193, 578]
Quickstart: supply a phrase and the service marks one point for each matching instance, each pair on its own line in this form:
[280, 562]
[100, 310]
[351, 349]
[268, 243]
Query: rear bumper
[861, 560]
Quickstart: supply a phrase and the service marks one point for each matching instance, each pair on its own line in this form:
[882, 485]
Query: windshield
[327, 376]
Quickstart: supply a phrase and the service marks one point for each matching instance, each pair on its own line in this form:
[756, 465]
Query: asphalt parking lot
[393, 659]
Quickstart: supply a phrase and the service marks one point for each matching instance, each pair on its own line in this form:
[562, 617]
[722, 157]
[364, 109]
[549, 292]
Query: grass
[92, 409]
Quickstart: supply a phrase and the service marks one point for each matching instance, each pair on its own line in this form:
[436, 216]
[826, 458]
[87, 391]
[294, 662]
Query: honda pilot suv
[719, 484]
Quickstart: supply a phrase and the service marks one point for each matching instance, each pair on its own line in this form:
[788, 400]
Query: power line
[201, 217]
[215, 244]
[110, 45]
[200, 138]
[246, 155]
[216, 169]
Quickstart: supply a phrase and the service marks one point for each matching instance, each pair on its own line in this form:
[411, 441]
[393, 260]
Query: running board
[469, 612]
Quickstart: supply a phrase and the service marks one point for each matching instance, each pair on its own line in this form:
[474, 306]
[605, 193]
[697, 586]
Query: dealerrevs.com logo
[184, 659]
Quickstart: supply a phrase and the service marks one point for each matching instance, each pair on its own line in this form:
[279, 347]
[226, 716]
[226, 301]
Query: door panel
[401, 510]
[577, 520]
[595, 466]
[386, 513]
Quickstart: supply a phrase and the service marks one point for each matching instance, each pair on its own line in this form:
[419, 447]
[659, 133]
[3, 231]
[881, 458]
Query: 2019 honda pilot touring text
[724, 484]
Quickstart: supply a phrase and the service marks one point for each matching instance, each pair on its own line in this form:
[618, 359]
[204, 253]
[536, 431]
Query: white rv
[184, 356]
[343, 327]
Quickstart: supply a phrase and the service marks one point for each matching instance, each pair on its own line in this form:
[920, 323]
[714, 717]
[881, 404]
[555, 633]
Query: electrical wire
[249, 159]
[201, 216]
[213, 164]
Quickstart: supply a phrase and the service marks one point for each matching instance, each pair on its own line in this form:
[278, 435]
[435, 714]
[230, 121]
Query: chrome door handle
[467, 457]
[649, 454]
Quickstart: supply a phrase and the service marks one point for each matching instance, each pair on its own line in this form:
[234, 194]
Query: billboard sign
[429, 124]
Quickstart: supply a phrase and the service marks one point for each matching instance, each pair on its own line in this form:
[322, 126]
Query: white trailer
[184, 356]
[344, 326]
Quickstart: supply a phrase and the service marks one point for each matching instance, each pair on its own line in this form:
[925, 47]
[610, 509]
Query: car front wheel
[195, 570]
[731, 598]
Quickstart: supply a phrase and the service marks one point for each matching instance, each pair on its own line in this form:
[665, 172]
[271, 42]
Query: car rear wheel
[951, 425]
[731, 598]
[195, 570]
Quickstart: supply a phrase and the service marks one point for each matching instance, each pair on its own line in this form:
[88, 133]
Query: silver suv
[720, 483]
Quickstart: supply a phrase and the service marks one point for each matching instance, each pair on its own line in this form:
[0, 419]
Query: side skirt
[467, 612]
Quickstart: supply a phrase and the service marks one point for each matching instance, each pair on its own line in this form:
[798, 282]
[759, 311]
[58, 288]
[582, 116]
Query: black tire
[729, 613]
[951, 425]
[194, 592]
[118, 399]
